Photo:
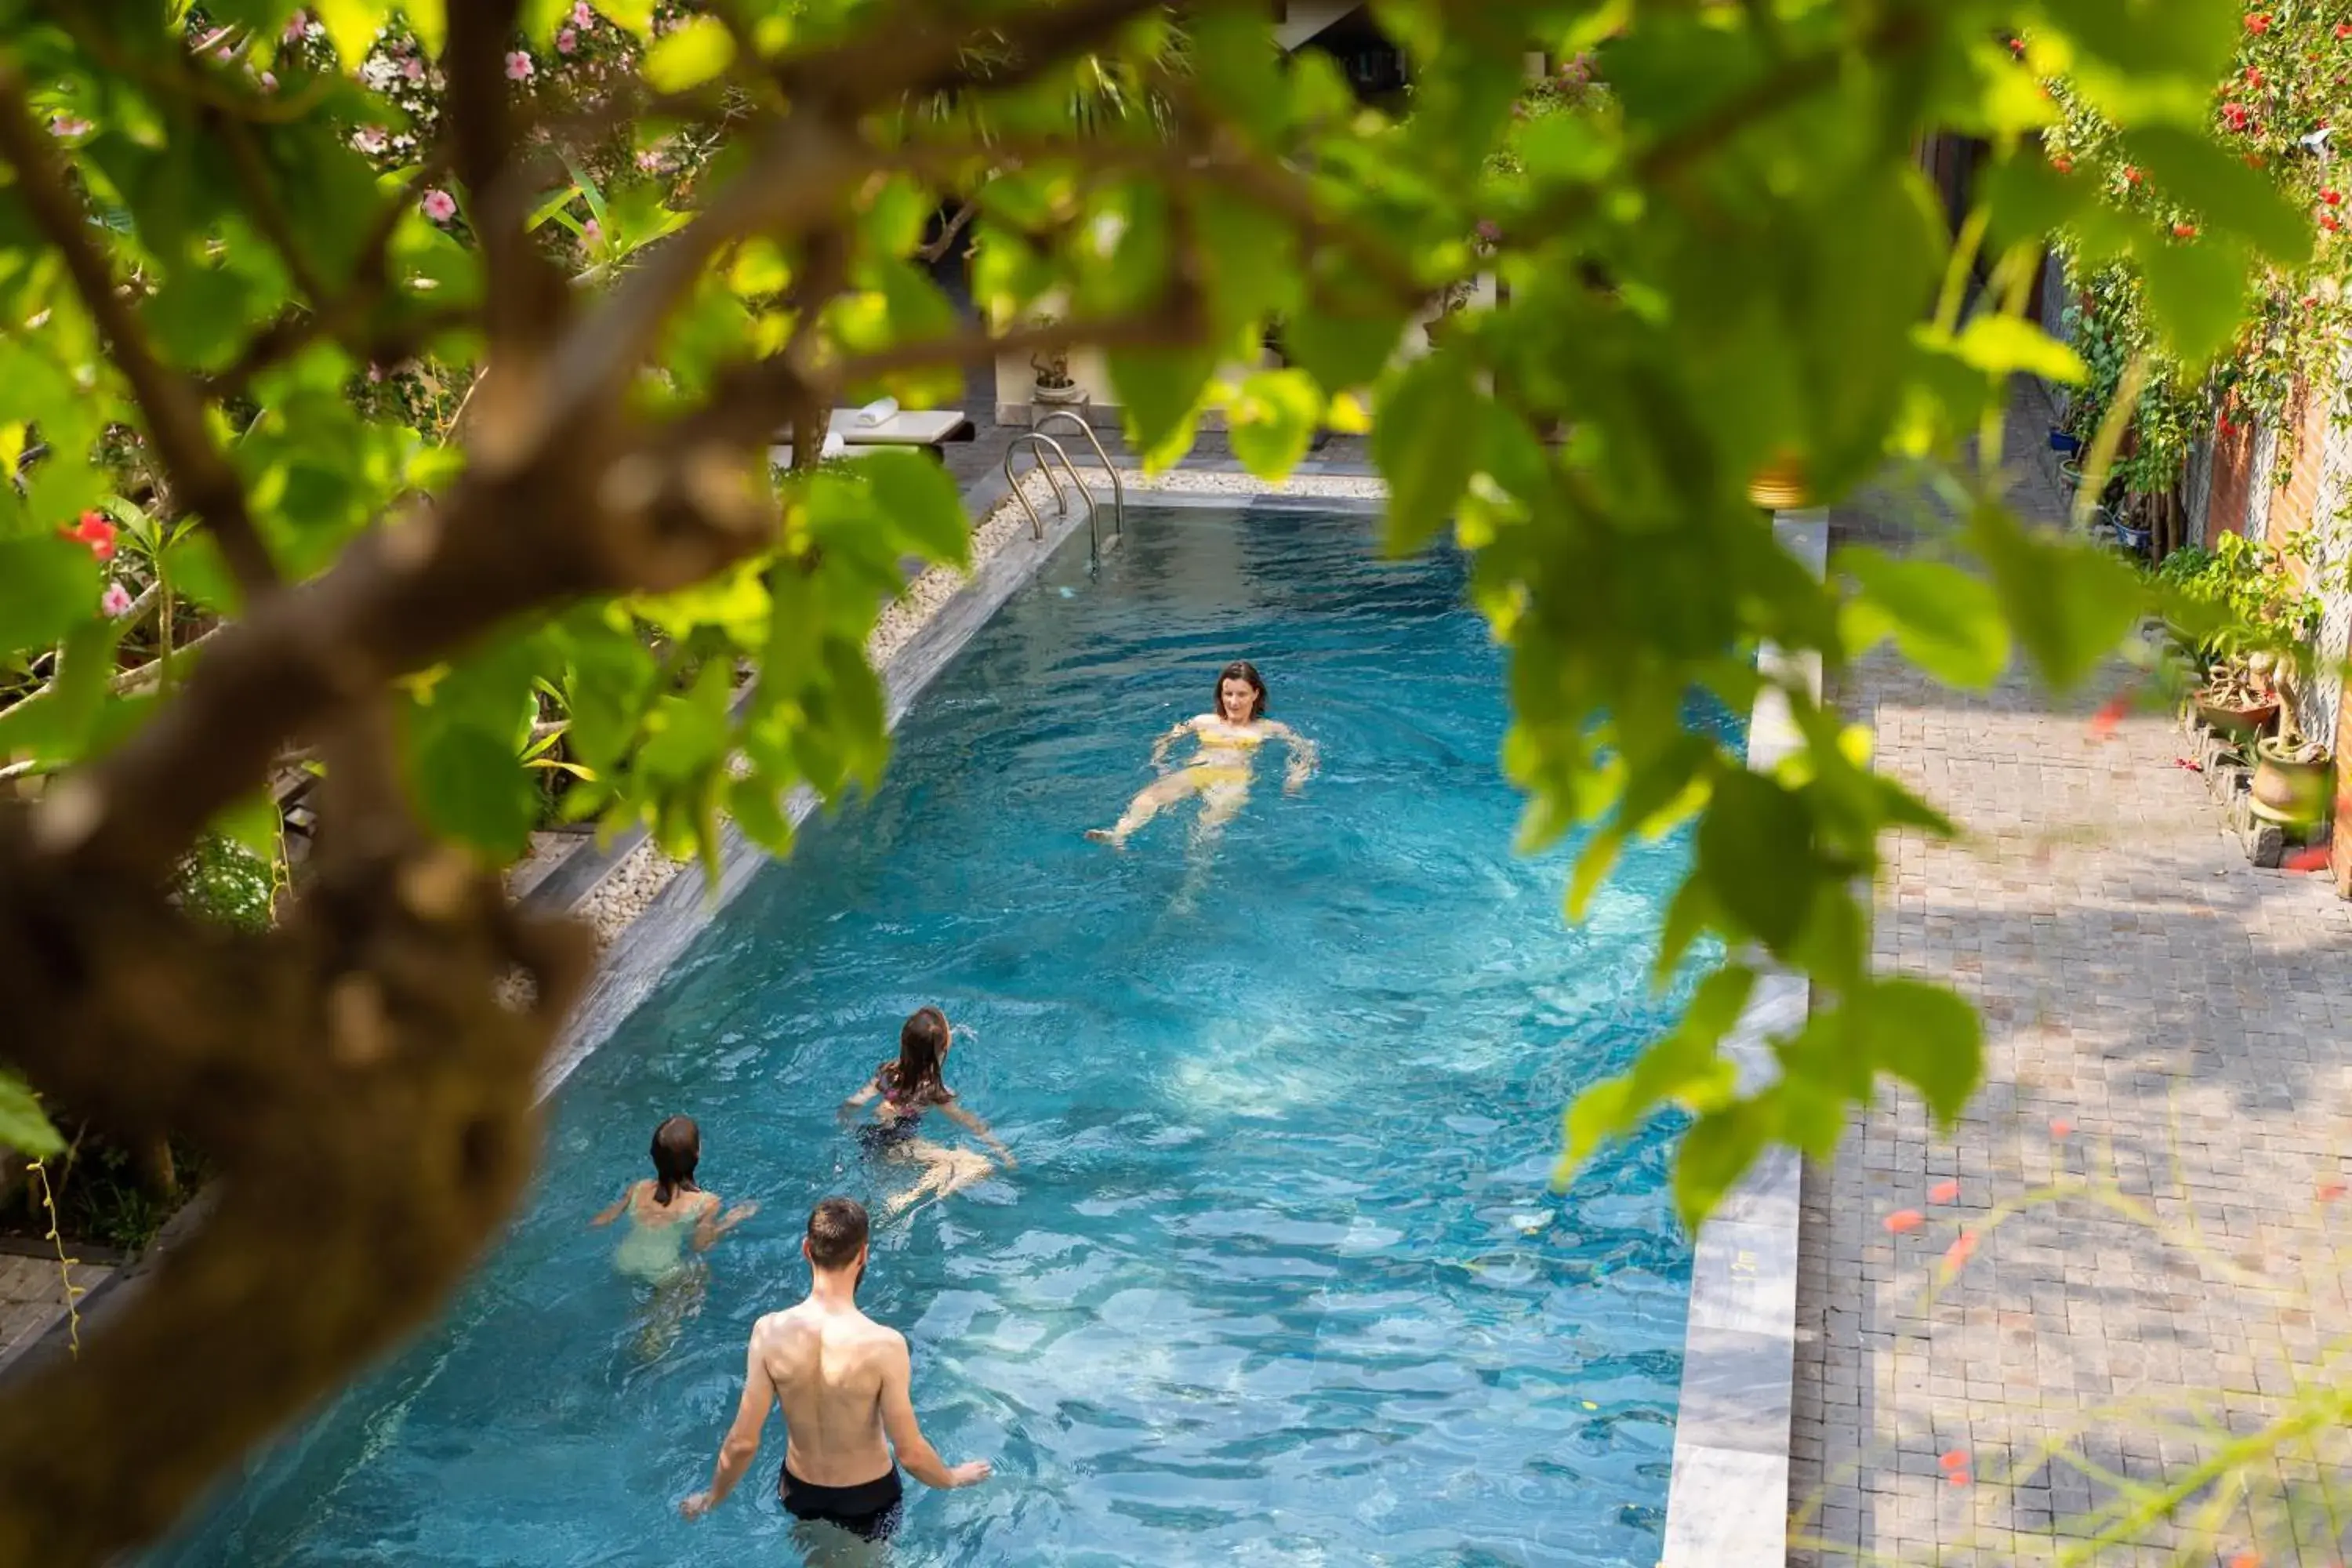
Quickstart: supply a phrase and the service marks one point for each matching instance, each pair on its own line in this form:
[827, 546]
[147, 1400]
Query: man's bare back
[843, 1382]
[828, 1367]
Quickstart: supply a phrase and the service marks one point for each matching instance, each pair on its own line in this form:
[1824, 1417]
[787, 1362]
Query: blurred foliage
[1725, 261]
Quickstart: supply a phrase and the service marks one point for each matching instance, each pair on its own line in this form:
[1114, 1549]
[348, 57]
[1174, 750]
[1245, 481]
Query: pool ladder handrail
[1117, 489]
[1038, 447]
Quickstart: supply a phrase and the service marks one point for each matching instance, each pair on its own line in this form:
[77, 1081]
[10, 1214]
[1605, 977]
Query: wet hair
[922, 1043]
[677, 1147]
[837, 1229]
[1240, 669]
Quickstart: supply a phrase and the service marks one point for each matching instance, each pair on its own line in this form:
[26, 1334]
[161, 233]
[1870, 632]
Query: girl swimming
[907, 1087]
[664, 1215]
[1220, 770]
[664, 1212]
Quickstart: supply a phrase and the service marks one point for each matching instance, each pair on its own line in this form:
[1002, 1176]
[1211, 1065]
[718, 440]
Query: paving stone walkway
[31, 1297]
[2169, 1030]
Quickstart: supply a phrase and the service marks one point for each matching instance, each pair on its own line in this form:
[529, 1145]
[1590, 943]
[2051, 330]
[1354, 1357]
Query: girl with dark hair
[1220, 770]
[663, 1212]
[907, 1087]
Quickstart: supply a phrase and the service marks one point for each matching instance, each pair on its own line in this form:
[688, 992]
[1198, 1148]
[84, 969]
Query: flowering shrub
[2291, 77]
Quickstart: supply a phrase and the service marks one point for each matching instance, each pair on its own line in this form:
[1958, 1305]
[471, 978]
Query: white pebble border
[625, 891]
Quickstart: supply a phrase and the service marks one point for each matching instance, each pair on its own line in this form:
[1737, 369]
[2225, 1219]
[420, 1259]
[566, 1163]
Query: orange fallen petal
[1902, 1220]
[1958, 1478]
[2110, 714]
[2312, 860]
[1957, 1459]
[1963, 1245]
[2247, 1559]
[2060, 1127]
[1943, 1191]
[2329, 1191]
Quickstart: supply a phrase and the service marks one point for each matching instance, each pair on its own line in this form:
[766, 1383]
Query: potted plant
[2236, 701]
[1054, 387]
[2290, 783]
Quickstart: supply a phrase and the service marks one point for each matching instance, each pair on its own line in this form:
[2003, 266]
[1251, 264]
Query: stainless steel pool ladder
[1117, 489]
[1038, 447]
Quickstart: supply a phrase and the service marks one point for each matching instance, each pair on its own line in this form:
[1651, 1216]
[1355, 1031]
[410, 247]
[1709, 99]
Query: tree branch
[201, 480]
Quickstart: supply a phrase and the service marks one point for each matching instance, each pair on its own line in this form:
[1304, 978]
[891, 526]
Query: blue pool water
[1279, 1280]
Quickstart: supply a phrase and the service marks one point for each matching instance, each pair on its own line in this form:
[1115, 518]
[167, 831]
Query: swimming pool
[1279, 1278]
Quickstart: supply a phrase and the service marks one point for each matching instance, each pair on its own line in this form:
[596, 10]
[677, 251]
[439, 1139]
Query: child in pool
[665, 1214]
[907, 1087]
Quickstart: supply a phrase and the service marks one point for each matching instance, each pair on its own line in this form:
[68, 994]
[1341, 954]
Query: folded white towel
[878, 411]
[834, 447]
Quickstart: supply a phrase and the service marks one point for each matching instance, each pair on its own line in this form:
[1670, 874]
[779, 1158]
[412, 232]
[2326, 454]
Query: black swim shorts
[871, 1509]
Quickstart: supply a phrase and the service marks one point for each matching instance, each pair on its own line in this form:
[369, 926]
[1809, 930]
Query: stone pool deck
[2169, 1035]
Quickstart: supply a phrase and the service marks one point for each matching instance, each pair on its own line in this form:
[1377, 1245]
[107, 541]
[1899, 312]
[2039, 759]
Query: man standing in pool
[842, 1379]
[1220, 770]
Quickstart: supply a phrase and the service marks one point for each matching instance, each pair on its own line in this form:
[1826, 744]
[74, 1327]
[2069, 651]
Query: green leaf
[1426, 440]
[470, 787]
[1926, 1035]
[1946, 620]
[351, 27]
[2069, 603]
[2002, 346]
[693, 55]
[1159, 390]
[1343, 353]
[24, 1126]
[920, 497]
[2227, 194]
[1273, 421]
[1755, 850]
[2198, 293]
[47, 587]
[1715, 1152]
[253, 824]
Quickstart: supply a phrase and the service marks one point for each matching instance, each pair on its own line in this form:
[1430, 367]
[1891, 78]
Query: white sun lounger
[902, 428]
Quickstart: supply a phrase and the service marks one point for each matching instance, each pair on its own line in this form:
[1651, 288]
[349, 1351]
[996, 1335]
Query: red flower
[2328, 222]
[1902, 1220]
[2254, 76]
[2131, 174]
[2331, 195]
[2236, 115]
[2062, 163]
[2344, 29]
[2258, 21]
[1943, 1191]
[2184, 231]
[2253, 159]
[2017, 48]
[93, 530]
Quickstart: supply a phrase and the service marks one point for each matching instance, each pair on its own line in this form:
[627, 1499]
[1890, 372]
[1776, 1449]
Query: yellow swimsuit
[1209, 774]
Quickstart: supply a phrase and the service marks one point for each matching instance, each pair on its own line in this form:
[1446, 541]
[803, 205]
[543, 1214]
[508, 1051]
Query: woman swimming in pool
[1220, 770]
[907, 1087]
[664, 1215]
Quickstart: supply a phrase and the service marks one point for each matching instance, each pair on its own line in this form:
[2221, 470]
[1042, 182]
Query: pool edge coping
[1727, 1497]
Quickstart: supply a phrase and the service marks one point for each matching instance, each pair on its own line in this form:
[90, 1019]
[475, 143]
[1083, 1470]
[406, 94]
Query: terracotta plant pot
[2285, 791]
[2240, 724]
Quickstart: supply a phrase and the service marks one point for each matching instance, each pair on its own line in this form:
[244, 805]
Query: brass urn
[1780, 485]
